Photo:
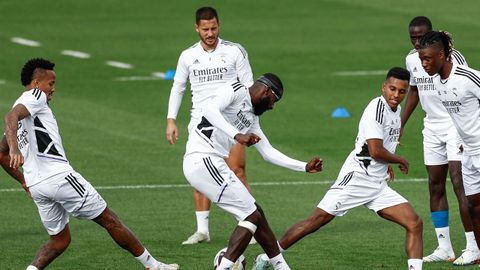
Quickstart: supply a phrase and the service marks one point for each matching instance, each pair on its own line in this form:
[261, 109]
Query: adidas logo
[278, 263]
[441, 236]
[196, 62]
[411, 267]
[415, 69]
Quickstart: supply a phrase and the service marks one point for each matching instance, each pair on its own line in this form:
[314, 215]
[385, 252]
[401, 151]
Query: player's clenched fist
[247, 139]
[314, 165]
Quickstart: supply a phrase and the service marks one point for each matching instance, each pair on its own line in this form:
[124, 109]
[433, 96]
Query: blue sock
[440, 219]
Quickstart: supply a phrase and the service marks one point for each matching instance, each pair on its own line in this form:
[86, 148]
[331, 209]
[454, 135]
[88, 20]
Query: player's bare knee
[254, 218]
[108, 220]
[61, 242]
[415, 225]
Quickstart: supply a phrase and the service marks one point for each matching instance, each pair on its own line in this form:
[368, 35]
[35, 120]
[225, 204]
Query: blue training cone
[340, 112]
[169, 74]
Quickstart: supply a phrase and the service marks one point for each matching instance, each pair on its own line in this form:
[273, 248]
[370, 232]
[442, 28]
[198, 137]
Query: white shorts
[355, 189]
[439, 149]
[471, 174]
[211, 176]
[63, 195]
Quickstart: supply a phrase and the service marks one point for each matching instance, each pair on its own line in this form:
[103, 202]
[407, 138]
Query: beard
[260, 107]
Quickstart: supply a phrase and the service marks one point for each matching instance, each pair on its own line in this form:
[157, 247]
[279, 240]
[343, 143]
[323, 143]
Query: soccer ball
[240, 264]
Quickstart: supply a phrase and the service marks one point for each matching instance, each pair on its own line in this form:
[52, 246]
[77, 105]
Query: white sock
[225, 264]
[147, 260]
[471, 242]
[279, 263]
[443, 237]
[31, 267]
[202, 221]
[280, 248]
[415, 264]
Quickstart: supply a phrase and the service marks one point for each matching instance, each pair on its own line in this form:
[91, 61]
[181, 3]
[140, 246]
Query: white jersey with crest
[228, 113]
[39, 139]
[378, 121]
[460, 95]
[436, 119]
[206, 71]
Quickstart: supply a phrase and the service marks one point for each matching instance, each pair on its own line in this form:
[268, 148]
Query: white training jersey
[378, 121]
[206, 71]
[39, 139]
[228, 113]
[436, 118]
[460, 94]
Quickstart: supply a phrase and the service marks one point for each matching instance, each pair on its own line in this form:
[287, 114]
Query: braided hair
[439, 38]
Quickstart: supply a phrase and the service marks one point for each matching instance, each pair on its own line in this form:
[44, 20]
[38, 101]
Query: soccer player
[364, 175]
[32, 141]
[459, 90]
[232, 116]
[207, 64]
[441, 154]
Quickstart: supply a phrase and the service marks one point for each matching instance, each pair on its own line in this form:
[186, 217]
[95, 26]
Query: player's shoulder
[467, 74]
[458, 58]
[33, 96]
[412, 55]
[376, 108]
[235, 47]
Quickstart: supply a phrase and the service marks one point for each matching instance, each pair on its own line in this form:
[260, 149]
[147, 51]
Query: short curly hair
[32, 67]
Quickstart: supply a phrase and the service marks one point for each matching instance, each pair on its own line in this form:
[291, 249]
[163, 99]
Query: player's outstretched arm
[379, 153]
[171, 131]
[314, 165]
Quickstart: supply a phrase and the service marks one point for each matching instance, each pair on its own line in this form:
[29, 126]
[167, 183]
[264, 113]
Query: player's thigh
[211, 176]
[79, 198]
[237, 158]
[402, 214]
[471, 174]
[434, 149]
[349, 191]
[52, 215]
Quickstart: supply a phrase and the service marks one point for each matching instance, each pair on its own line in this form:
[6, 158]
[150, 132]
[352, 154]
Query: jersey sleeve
[223, 97]
[475, 85]
[34, 100]
[178, 88]
[458, 58]
[272, 155]
[373, 120]
[244, 71]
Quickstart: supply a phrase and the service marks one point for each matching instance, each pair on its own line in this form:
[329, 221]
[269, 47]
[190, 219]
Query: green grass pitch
[113, 131]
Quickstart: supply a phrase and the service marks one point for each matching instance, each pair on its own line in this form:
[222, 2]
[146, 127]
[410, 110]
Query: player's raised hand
[171, 131]
[314, 165]
[247, 139]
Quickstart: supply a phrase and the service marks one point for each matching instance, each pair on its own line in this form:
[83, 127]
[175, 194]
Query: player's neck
[209, 48]
[446, 70]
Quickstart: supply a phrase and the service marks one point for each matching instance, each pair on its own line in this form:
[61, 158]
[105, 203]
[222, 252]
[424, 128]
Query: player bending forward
[32, 139]
[231, 116]
[364, 175]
